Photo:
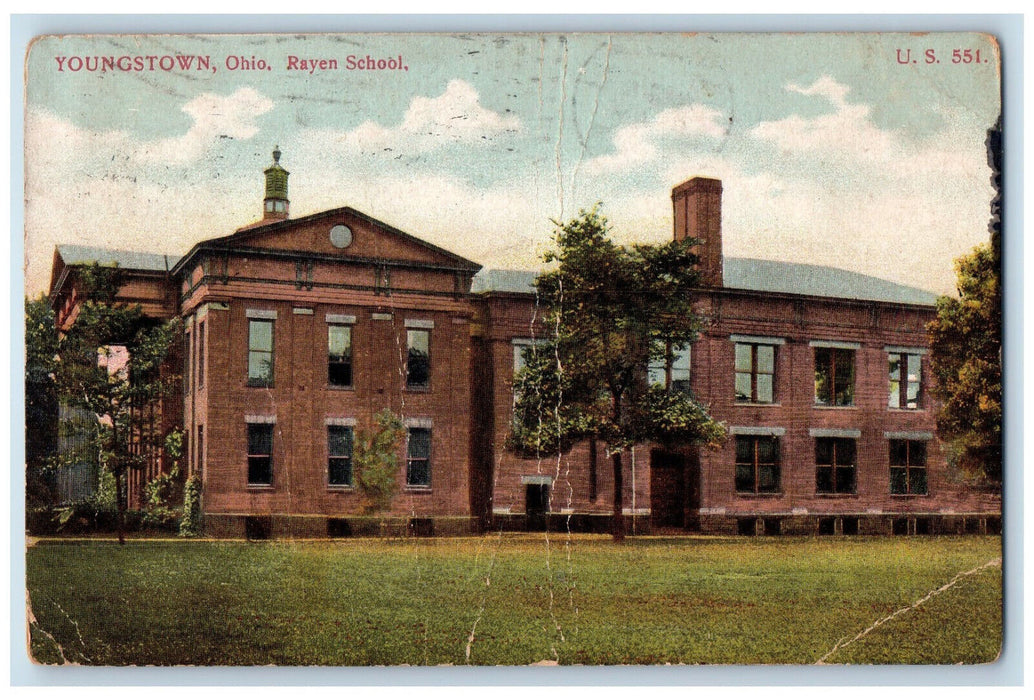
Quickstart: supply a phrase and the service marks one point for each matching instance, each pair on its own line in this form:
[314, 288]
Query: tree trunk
[618, 523]
[592, 469]
[120, 508]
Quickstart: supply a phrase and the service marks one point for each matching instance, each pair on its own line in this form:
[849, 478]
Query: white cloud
[214, 117]
[83, 151]
[847, 131]
[637, 144]
[455, 116]
[455, 113]
[112, 189]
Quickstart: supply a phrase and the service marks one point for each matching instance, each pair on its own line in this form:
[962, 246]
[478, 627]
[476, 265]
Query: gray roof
[519, 281]
[817, 280]
[740, 273]
[760, 276]
[126, 259]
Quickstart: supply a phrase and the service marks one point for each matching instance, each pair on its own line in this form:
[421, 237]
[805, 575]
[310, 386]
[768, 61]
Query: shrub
[190, 525]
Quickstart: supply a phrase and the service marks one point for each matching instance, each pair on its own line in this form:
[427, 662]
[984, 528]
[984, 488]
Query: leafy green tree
[612, 310]
[376, 459]
[41, 406]
[966, 359]
[110, 364]
[966, 346]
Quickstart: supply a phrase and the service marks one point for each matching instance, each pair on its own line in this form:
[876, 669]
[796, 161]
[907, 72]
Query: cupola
[276, 205]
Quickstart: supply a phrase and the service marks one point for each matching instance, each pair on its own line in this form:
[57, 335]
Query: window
[520, 347]
[755, 373]
[339, 355]
[418, 365]
[757, 464]
[201, 354]
[672, 372]
[418, 457]
[200, 450]
[834, 376]
[260, 352]
[905, 373]
[908, 467]
[339, 455]
[835, 465]
[186, 361]
[260, 454]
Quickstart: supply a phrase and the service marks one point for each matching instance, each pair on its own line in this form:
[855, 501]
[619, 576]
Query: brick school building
[297, 332]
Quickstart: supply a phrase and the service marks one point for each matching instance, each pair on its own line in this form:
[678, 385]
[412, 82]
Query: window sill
[755, 404]
[748, 494]
[910, 495]
[258, 385]
[339, 387]
[896, 409]
[418, 389]
[823, 407]
[416, 489]
[260, 487]
[340, 488]
[836, 495]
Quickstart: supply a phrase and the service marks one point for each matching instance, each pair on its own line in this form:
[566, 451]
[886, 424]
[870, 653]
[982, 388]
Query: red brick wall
[502, 319]
[301, 400]
[873, 327]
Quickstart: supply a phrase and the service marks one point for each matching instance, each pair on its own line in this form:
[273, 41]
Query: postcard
[513, 349]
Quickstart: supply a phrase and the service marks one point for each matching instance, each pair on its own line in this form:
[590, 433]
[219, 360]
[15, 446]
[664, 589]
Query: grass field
[516, 599]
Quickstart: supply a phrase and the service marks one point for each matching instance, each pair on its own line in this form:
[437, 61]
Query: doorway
[537, 506]
[674, 490]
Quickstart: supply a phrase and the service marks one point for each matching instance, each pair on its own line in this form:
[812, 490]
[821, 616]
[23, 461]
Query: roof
[126, 259]
[759, 276]
[817, 280]
[513, 281]
[739, 273]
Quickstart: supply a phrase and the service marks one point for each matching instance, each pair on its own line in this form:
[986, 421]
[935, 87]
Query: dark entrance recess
[674, 490]
[537, 500]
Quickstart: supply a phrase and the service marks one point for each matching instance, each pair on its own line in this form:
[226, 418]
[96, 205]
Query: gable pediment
[346, 234]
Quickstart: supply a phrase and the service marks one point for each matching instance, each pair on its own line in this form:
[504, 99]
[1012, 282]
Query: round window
[341, 236]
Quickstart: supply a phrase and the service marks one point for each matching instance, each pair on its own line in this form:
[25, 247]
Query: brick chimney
[698, 214]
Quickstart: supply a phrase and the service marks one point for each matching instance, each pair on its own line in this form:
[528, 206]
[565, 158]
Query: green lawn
[520, 599]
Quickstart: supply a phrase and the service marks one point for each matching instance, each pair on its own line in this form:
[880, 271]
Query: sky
[859, 151]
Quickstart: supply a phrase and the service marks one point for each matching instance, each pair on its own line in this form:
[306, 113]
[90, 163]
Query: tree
[966, 346]
[40, 399]
[965, 357]
[612, 310]
[110, 364]
[376, 461]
